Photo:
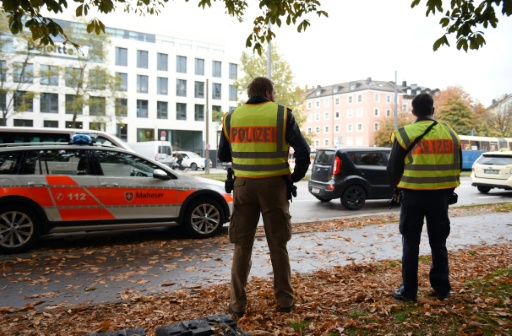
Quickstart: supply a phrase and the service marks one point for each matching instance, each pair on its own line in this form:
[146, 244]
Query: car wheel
[483, 190]
[204, 218]
[353, 197]
[323, 200]
[19, 229]
[193, 166]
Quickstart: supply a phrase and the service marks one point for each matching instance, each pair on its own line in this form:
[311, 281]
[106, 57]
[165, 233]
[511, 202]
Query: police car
[80, 186]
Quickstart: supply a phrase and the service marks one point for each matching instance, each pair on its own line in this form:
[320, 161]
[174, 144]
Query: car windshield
[325, 157]
[497, 160]
[194, 155]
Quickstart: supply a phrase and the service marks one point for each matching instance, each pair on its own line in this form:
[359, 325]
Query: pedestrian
[256, 138]
[427, 172]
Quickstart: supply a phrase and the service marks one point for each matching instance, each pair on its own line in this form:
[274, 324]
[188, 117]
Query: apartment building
[167, 86]
[349, 114]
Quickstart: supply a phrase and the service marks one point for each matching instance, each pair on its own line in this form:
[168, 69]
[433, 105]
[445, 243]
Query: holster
[229, 184]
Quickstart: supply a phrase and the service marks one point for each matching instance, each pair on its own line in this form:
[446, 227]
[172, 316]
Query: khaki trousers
[252, 197]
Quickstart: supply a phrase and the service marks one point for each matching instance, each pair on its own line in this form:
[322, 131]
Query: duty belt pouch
[453, 198]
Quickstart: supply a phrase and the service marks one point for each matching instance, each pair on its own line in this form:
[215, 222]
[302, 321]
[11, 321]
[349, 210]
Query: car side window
[117, 164]
[8, 163]
[56, 162]
[325, 158]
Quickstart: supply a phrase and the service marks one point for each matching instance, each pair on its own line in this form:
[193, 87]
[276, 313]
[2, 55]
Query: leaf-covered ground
[349, 300]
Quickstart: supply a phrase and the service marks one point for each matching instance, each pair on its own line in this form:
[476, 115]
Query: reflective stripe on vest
[434, 163]
[256, 134]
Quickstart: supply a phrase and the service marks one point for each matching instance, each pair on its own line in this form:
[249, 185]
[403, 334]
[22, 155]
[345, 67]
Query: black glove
[291, 190]
[229, 184]
[396, 199]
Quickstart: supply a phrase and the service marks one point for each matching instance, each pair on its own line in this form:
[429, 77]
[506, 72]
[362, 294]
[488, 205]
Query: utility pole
[207, 132]
[395, 107]
[269, 57]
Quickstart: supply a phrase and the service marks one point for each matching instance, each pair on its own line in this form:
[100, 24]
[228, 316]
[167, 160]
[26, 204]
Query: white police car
[59, 188]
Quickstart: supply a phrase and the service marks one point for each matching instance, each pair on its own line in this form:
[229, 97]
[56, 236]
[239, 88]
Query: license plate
[315, 190]
[491, 171]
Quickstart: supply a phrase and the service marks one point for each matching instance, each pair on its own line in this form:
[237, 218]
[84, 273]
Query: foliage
[464, 19]
[499, 118]
[454, 106]
[287, 93]
[387, 126]
[43, 28]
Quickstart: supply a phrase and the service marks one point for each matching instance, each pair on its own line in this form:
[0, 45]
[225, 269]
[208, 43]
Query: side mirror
[160, 174]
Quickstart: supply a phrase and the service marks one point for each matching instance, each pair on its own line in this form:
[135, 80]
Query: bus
[10, 135]
[473, 146]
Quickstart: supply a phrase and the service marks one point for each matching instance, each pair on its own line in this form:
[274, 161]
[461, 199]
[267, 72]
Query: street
[110, 266]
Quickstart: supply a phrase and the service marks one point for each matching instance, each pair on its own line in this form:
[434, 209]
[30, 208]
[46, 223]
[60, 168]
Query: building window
[161, 109]
[317, 116]
[317, 129]
[142, 108]
[327, 102]
[388, 113]
[76, 124]
[199, 89]
[317, 143]
[336, 101]
[73, 106]
[122, 131]
[336, 128]
[309, 117]
[23, 101]
[142, 59]
[121, 56]
[317, 104]
[199, 66]
[359, 127]
[181, 64]
[162, 61]
[23, 123]
[73, 77]
[121, 107]
[181, 111]
[216, 92]
[97, 106]
[326, 129]
[376, 112]
[3, 71]
[350, 113]
[326, 142]
[233, 71]
[336, 114]
[232, 93]
[376, 126]
[97, 126]
[376, 97]
[122, 79]
[181, 87]
[161, 85]
[142, 84]
[388, 99]
[97, 79]
[359, 98]
[349, 99]
[309, 105]
[309, 130]
[350, 127]
[49, 102]
[3, 103]
[51, 124]
[359, 112]
[216, 69]
[49, 75]
[326, 116]
[23, 73]
[199, 112]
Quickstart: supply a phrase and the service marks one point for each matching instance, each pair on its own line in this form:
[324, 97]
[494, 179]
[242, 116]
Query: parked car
[160, 151]
[492, 170]
[61, 188]
[191, 160]
[351, 174]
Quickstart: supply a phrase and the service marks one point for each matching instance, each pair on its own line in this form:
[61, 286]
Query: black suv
[351, 174]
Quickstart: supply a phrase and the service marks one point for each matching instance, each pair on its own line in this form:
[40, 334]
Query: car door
[59, 180]
[372, 167]
[130, 192]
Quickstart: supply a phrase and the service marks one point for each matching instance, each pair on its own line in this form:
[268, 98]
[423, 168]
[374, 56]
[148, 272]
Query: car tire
[353, 197]
[323, 200]
[193, 166]
[483, 190]
[203, 218]
[19, 229]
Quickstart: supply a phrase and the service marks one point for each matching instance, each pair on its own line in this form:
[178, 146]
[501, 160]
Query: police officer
[427, 175]
[256, 138]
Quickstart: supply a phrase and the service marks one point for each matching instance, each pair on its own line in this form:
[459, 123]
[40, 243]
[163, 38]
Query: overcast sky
[359, 39]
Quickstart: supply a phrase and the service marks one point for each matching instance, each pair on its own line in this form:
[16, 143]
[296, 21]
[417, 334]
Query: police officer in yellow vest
[427, 174]
[256, 139]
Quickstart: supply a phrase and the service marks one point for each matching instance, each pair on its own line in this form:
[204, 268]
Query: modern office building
[349, 114]
[168, 87]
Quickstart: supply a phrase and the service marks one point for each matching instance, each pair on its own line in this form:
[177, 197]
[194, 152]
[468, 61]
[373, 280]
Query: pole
[207, 133]
[396, 103]
[269, 57]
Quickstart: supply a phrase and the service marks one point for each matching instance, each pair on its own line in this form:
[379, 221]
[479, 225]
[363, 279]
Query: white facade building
[168, 84]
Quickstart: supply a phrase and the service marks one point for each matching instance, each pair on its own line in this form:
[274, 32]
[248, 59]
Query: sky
[360, 39]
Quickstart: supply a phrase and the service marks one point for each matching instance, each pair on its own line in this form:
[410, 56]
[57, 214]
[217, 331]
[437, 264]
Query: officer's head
[423, 105]
[261, 86]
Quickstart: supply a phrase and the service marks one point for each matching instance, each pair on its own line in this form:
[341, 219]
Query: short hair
[422, 104]
[259, 87]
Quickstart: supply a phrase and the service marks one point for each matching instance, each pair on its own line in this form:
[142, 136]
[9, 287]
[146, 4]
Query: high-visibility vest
[434, 163]
[256, 133]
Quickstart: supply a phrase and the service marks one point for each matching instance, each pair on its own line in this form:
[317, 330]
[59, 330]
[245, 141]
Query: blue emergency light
[81, 139]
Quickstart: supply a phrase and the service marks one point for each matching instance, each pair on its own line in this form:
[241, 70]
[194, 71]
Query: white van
[31, 134]
[160, 151]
